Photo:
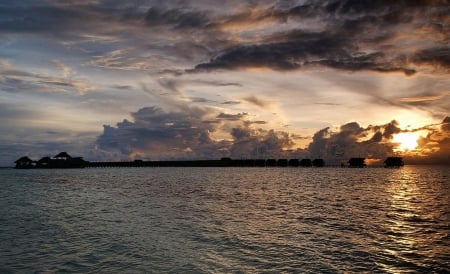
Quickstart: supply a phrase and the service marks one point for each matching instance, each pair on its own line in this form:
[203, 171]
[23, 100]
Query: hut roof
[23, 159]
[45, 160]
[63, 155]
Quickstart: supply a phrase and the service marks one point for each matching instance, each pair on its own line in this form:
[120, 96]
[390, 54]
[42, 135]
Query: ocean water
[225, 220]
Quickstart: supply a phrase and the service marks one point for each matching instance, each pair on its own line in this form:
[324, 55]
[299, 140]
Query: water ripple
[225, 220]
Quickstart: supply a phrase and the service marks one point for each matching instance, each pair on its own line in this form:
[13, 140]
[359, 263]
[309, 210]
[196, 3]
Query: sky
[205, 79]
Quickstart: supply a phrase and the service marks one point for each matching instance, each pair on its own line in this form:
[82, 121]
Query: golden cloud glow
[424, 98]
[407, 141]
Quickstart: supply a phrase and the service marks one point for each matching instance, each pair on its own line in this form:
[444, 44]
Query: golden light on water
[411, 224]
[403, 208]
[406, 141]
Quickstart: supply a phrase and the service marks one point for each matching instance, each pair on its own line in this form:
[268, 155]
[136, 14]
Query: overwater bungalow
[63, 156]
[294, 162]
[260, 162]
[282, 162]
[64, 160]
[357, 162]
[394, 162]
[306, 163]
[44, 162]
[25, 162]
[271, 162]
[61, 160]
[318, 163]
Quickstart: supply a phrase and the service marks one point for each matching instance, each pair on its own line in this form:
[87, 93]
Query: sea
[225, 220]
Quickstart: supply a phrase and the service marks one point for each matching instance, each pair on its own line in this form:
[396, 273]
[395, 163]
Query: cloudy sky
[195, 79]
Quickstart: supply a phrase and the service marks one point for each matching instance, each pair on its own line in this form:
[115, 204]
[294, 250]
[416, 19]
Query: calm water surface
[225, 220]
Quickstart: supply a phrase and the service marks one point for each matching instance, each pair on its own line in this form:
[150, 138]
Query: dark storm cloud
[446, 124]
[354, 37]
[390, 129]
[436, 144]
[67, 21]
[258, 142]
[181, 19]
[116, 26]
[164, 134]
[297, 49]
[350, 35]
[35, 18]
[307, 49]
[437, 57]
[354, 141]
[187, 134]
[375, 142]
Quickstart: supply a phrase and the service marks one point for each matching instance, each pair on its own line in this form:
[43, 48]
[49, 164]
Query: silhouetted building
[318, 163]
[282, 162]
[62, 160]
[63, 156]
[306, 163]
[271, 162]
[294, 162]
[357, 162]
[44, 162]
[260, 162]
[24, 162]
[394, 162]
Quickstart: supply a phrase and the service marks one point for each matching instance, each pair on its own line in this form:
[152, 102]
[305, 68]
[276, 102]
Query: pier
[224, 162]
[64, 160]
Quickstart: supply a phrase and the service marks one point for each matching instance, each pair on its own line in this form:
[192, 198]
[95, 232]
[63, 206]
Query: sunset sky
[205, 79]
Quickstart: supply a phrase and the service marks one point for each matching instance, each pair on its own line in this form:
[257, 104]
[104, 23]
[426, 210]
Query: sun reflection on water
[409, 224]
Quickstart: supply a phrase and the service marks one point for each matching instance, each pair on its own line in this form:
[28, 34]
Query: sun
[406, 141]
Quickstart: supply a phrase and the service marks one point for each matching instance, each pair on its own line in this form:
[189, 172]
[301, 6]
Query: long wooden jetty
[224, 162]
[64, 160]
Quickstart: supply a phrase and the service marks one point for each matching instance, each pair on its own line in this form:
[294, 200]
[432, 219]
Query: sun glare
[406, 141]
